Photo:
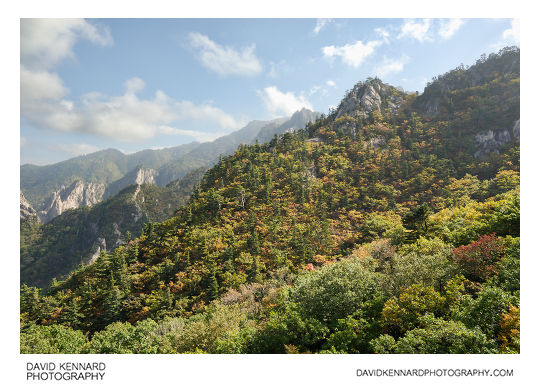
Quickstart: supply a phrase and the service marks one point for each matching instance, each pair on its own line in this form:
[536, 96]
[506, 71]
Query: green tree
[402, 313]
[52, 339]
[213, 287]
[435, 335]
[336, 291]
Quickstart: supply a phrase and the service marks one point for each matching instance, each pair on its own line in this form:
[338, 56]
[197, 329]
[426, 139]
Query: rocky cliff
[55, 249]
[27, 211]
[138, 176]
[368, 96]
[494, 140]
[76, 195]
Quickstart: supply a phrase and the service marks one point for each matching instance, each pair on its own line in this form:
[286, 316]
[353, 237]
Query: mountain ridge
[39, 183]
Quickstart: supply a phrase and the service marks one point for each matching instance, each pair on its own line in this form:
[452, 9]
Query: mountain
[375, 229]
[368, 96]
[42, 185]
[297, 121]
[79, 235]
[76, 195]
[27, 212]
[137, 176]
[208, 153]
[38, 183]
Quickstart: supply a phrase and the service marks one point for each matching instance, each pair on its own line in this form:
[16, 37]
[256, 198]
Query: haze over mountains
[85, 180]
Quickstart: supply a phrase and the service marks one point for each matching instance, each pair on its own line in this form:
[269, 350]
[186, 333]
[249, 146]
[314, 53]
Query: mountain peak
[137, 176]
[368, 96]
[77, 194]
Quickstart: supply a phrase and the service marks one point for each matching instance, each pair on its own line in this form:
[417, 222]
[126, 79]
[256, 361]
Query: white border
[287, 370]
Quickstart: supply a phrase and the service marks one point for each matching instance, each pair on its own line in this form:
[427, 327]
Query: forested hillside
[390, 225]
[55, 249]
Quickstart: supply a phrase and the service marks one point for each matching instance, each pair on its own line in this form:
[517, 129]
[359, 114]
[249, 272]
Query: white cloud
[316, 89]
[511, 35]
[225, 60]
[76, 149]
[40, 85]
[390, 66]
[321, 89]
[449, 27]
[351, 54]
[134, 85]
[125, 117]
[416, 30]
[384, 34]
[188, 110]
[24, 141]
[278, 102]
[46, 42]
[44, 102]
[321, 23]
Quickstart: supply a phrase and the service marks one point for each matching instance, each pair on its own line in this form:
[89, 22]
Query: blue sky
[133, 84]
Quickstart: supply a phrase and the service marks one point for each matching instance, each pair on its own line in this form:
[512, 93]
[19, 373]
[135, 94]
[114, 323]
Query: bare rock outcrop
[138, 176]
[493, 140]
[368, 96]
[27, 211]
[76, 195]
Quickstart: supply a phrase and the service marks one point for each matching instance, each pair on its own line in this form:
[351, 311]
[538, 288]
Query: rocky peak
[138, 176]
[145, 176]
[298, 120]
[78, 194]
[368, 96]
[27, 211]
[303, 116]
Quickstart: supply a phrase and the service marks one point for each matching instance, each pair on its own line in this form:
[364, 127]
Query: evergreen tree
[112, 305]
[254, 273]
[72, 315]
[213, 287]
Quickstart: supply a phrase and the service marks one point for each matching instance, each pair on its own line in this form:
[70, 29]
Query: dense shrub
[52, 339]
[336, 291]
[435, 335]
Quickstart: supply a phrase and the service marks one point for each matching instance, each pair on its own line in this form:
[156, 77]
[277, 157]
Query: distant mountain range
[79, 235]
[85, 180]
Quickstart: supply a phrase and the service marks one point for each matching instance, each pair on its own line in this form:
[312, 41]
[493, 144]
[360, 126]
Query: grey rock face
[26, 209]
[145, 176]
[138, 176]
[99, 246]
[431, 106]
[366, 97]
[492, 141]
[515, 130]
[76, 195]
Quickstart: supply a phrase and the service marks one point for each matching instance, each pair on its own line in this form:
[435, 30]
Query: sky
[133, 84]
